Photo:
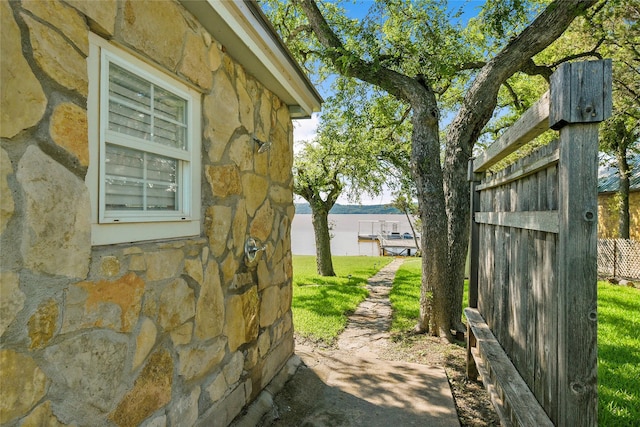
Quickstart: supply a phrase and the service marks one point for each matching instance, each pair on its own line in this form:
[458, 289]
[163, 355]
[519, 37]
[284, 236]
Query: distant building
[608, 206]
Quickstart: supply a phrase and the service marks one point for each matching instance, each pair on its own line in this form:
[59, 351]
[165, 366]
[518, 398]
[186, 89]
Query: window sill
[106, 234]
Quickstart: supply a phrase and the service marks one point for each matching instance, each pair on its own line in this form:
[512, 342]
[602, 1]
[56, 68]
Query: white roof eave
[243, 30]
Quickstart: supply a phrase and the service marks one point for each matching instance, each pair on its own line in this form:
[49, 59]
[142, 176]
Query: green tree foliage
[358, 150]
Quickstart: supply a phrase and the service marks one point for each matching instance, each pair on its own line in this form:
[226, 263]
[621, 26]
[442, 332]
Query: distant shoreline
[304, 208]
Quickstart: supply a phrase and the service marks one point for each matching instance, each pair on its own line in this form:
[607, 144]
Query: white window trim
[151, 227]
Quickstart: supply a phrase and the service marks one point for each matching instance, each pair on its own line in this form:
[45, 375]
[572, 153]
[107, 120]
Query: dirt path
[352, 386]
[367, 332]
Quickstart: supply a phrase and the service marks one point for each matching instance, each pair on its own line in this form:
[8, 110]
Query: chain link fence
[619, 258]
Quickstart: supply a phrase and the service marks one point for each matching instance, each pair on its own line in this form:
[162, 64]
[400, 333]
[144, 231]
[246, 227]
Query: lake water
[345, 233]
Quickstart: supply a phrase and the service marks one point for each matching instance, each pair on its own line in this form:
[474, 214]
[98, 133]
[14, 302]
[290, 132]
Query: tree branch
[514, 95]
[530, 68]
[474, 65]
[349, 64]
[299, 29]
[593, 52]
[480, 100]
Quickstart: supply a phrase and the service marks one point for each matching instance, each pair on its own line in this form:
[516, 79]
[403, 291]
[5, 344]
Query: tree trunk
[427, 173]
[475, 111]
[623, 192]
[320, 221]
[462, 134]
[458, 208]
[413, 230]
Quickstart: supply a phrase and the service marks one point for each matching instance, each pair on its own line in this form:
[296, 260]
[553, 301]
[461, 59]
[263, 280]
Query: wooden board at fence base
[515, 403]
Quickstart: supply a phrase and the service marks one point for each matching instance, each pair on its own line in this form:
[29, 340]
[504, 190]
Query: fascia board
[248, 38]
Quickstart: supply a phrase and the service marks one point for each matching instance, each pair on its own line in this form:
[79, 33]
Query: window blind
[140, 112]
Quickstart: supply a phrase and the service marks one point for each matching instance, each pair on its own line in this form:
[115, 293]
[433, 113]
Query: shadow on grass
[321, 304]
[621, 304]
[618, 376]
[320, 312]
[404, 297]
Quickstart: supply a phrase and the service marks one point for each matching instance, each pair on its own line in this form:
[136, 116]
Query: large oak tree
[410, 51]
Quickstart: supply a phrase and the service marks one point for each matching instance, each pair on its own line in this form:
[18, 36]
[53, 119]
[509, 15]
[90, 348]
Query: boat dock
[387, 234]
[397, 247]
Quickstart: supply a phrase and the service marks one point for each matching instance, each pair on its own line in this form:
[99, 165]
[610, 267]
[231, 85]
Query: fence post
[580, 99]
[474, 259]
[615, 258]
[474, 245]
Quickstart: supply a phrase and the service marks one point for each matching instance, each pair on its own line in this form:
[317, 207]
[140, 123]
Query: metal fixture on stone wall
[263, 146]
[252, 250]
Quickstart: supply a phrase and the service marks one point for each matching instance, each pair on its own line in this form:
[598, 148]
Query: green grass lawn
[618, 341]
[321, 304]
[405, 296]
[618, 355]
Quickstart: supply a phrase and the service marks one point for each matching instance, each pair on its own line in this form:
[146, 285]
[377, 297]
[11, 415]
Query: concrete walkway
[350, 386]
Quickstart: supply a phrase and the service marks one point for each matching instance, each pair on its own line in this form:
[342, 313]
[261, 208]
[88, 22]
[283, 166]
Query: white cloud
[306, 129]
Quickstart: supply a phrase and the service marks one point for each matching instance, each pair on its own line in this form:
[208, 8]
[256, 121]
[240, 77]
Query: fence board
[541, 176]
[522, 171]
[518, 302]
[538, 317]
[531, 264]
[523, 409]
[501, 285]
[494, 261]
[550, 330]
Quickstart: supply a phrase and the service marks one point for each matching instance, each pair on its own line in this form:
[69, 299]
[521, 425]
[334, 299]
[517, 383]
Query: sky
[306, 130]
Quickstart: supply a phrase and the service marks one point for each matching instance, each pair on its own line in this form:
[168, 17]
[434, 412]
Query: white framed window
[144, 149]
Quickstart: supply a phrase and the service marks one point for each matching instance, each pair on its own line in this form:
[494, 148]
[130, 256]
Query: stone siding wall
[162, 333]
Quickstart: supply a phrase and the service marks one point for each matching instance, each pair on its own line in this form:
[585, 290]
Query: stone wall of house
[608, 216]
[161, 333]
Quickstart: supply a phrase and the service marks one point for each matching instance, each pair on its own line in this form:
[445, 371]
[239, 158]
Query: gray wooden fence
[533, 275]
